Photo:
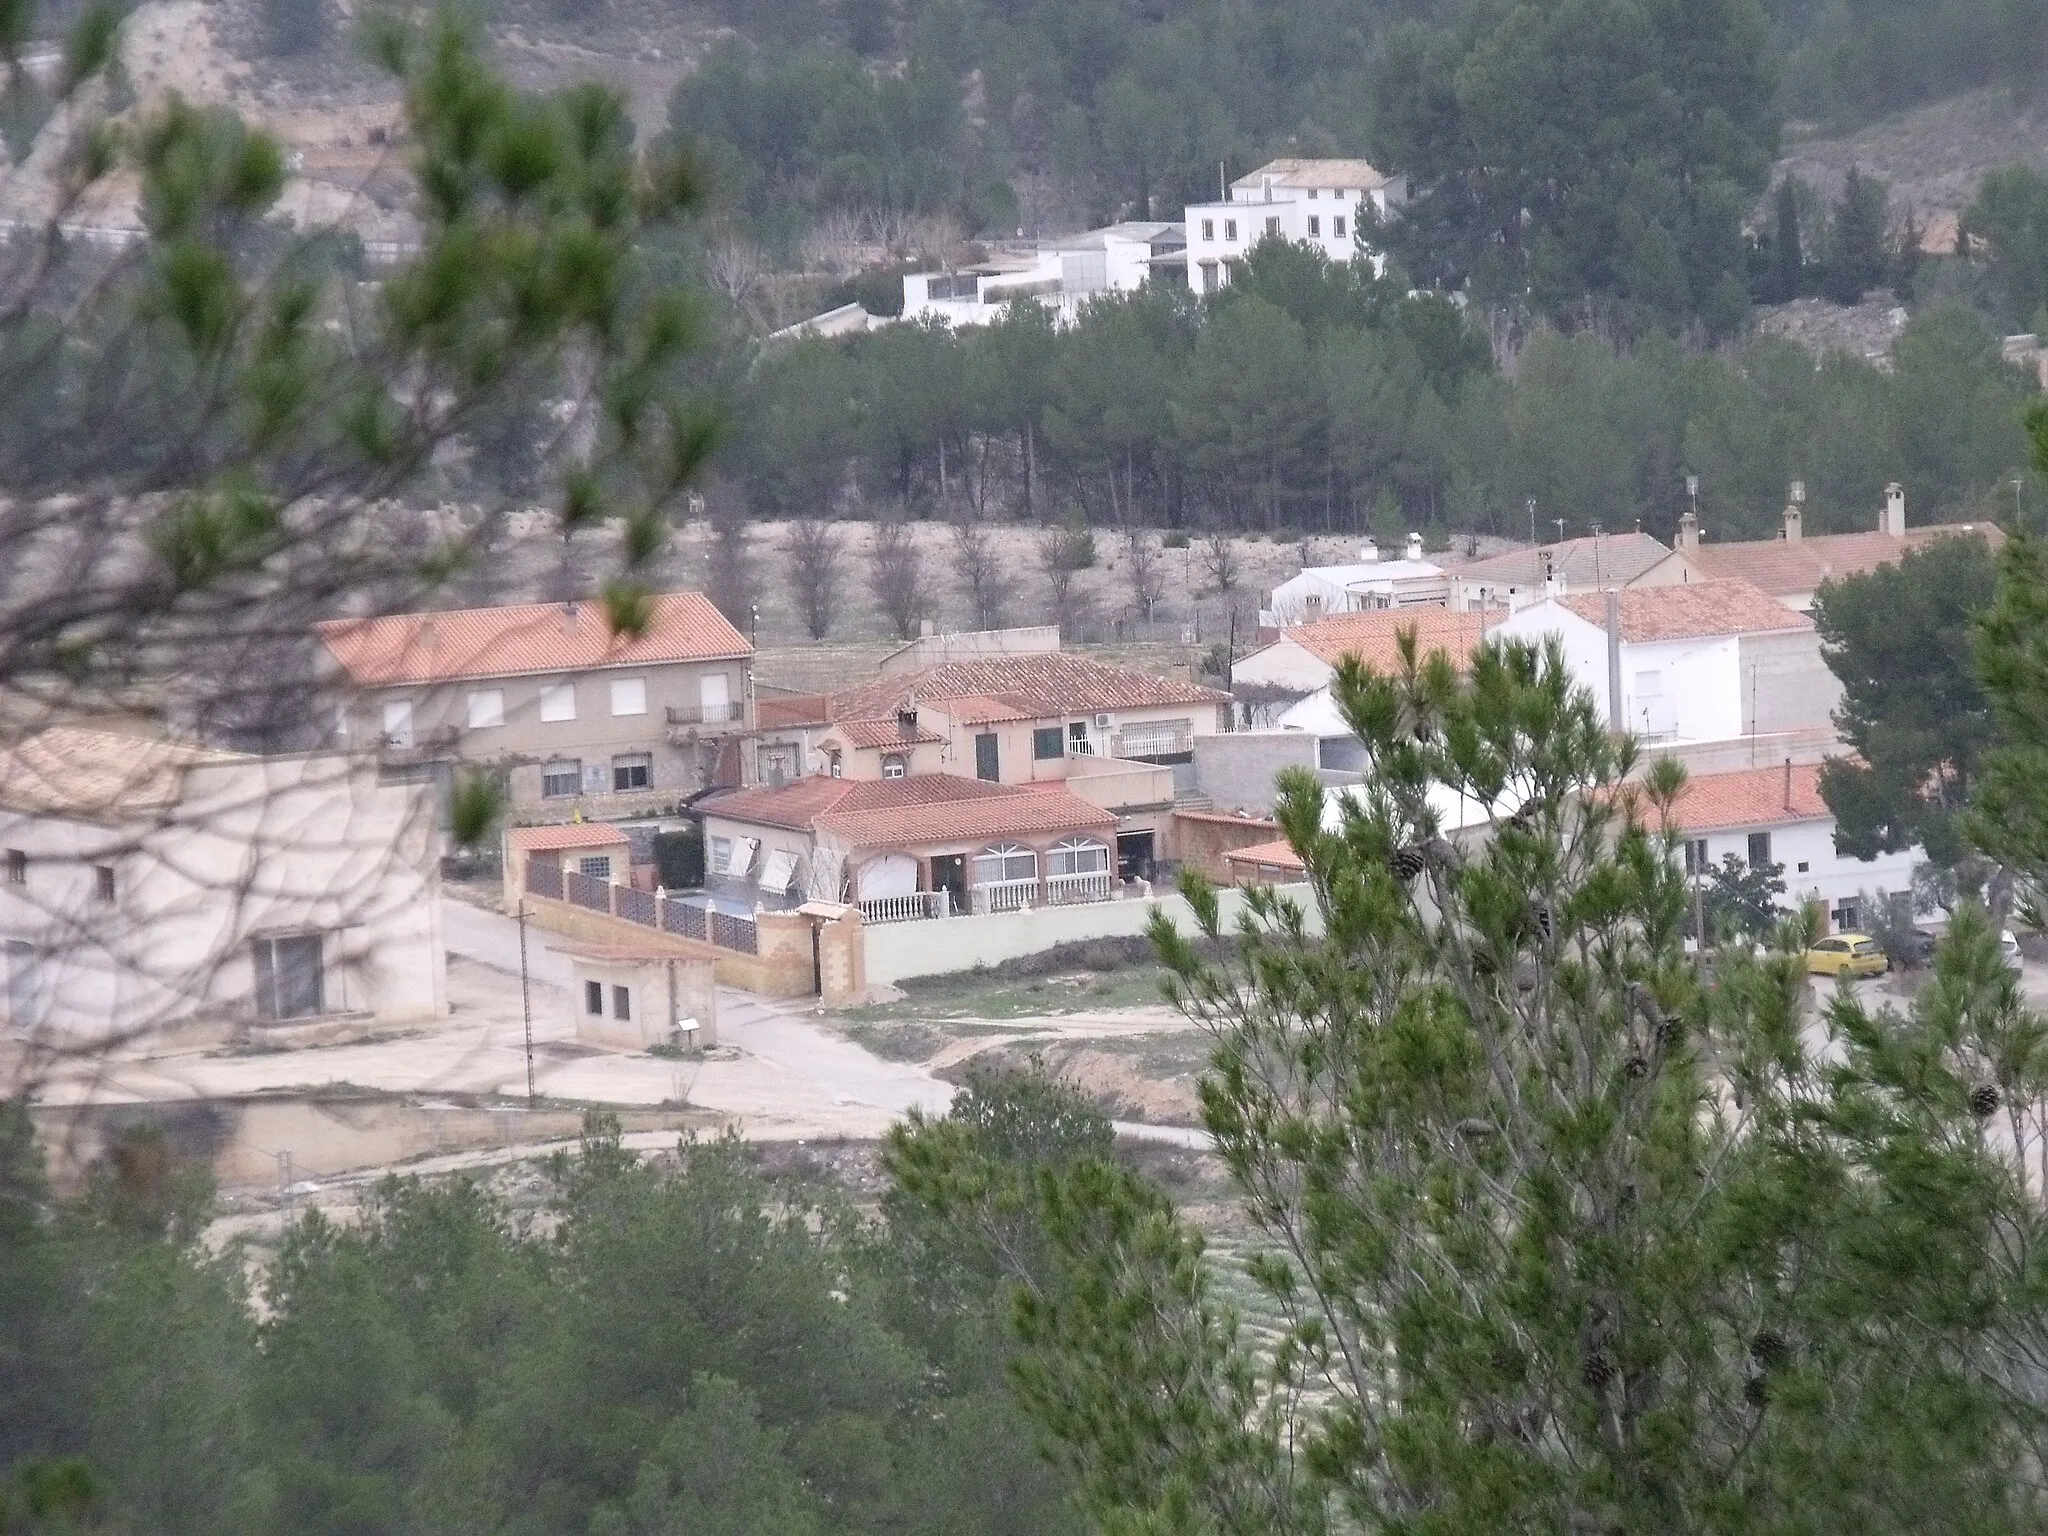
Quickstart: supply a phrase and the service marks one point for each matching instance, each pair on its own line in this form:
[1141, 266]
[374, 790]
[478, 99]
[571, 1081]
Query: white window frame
[557, 703]
[714, 697]
[895, 766]
[1004, 857]
[569, 768]
[1315, 224]
[629, 696]
[1209, 229]
[264, 952]
[721, 855]
[1071, 854]
[598, 866]
[1230, 230]
[486, 708]
[397, 718]
[1337, 226]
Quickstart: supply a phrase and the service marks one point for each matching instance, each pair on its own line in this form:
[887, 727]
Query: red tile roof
[926, 808]
[572, 834]
[1375, 638]
[779, 712]
[882, 733]
[1702, 609]
[529, 638]
[1788, 568]
[1751, 797]
[1278, 854]
[1039, 686]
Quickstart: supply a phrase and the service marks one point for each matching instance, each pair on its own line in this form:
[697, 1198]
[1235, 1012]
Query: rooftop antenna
[1560, 528]
[1532, 522]
[1222, 191]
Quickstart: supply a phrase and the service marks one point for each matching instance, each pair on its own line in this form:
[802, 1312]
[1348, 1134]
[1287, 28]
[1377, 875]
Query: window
[288, 977]
[398, 723]
[1315, 223]
[1230, 229]
[1802, 866]
[558, 702]
[987, 758]
[776, 763]
[597, 865]
[1337, 225]
[1047, 742]
[629, 695]
[593, 999]
[23, 982]
[1311, 198]
[1759, 849]
[894, 767]
[1832, 947]
[564, 777]
[635, 770]
[1696, 860]
[714, 697]
[1208, 277]
[832, 759]
[1849, 916]
[622, 1002]
[17, 867]
[486, 708]
[1208, 229]
[1078, 856]
[103, 881]
[721, 855]
[1273, 225]
[1007, 861]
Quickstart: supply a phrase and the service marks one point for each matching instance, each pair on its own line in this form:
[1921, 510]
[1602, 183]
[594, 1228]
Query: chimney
[1614, 722]
[1794, 505]
[569, 617]
[1369, 552]
[1788, 783]
[1893, 521]
[1414, 551]
[1689, 533]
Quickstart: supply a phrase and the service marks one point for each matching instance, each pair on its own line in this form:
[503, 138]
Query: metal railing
[646, 909]
[906, 909]
[1002, 895]
[707, 714]
[1144, 743]
[1073, 890]
[586, 890]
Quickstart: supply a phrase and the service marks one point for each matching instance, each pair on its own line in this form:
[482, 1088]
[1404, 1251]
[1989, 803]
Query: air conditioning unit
[1102, 722]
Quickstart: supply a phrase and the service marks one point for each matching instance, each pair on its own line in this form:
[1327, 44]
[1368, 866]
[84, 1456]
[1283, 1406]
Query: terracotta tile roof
[1227, 819]
[1751, 797]
[882, 733]
[1277, 854]
[1375, 638]
[528, 638]
[570, 834]
[1702, 609]
[1788, 568]
[1037, 686]
[69, 770]
[1599, 560]
[781, 712]
[925, 808]
[975, 709]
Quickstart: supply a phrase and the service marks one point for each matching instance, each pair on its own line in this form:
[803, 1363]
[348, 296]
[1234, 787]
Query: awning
[780, 869]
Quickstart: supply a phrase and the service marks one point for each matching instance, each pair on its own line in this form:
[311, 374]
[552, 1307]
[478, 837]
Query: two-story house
[1312, 202]
[580, 718]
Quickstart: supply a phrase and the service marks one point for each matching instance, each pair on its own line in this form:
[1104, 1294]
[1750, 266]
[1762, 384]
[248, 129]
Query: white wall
[941, 946]
[255, 846]
[1283, 664]
[1700, 694]
[1829, 877]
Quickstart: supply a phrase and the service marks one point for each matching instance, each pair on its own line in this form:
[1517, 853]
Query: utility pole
[2019, 515]
[1532, 522]
[284, 1184]
[526, 1003]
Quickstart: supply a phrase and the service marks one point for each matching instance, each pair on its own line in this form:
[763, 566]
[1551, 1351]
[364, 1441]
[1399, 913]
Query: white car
[2009, 949]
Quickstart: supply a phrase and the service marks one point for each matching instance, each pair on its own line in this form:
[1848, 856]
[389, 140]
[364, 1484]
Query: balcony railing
[707, 714]
[906, 909]
[1003, 895]
[1072, 890]
[1151, 743]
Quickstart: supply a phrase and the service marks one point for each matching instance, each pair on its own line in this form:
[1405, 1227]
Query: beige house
[153, 886]
[1589, 564]
[1796, 565]
[635, 996]
[583, 720]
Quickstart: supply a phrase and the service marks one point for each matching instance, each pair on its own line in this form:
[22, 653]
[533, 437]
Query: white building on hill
[1062, 274]
[1317, 202]
[1323, 591]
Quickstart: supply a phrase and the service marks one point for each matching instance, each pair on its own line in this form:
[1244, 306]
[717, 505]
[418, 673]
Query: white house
[1776, 816]
[1062, 274]
[1304, 659]
[1367, 583]
[151, 885]
[1705, 662]
[1317, 202]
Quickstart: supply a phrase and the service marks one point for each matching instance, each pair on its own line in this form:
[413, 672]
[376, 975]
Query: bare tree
[1064, 551]
[896, 572]
[1219, 557]
[816, 564]
[729, 577]
[734, 268]
[1145, 570]
[980, 575]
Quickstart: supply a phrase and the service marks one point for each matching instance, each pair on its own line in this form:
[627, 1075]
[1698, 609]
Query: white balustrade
[908, 908]
[1003, 895]
[1072, 890]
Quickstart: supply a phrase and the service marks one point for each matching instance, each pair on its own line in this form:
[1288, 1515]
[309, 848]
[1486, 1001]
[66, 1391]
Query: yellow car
[1846, 954]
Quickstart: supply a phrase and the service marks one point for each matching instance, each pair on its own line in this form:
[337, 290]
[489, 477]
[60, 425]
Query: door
[1134, 855]
[949, 874]
[986, 763]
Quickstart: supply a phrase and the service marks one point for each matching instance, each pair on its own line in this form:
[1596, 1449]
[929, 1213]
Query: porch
[1003, 877]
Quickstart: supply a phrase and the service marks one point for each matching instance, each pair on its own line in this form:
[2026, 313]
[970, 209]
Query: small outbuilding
[633, 997]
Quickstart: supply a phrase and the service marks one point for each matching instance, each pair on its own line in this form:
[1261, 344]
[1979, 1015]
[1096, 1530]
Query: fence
[649, 909]
[906, 909]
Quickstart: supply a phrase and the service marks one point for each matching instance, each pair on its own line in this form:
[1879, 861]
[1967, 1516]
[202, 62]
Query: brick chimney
[1893, 519]
[1794, 506]
[1689, 533]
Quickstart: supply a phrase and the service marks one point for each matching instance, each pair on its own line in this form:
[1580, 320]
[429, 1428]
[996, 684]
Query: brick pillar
[842, 959]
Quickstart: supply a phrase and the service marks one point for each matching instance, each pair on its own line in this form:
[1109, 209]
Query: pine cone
[1637, 1067]
[1769, 1346]
[1407, 863]
[1546, 921]
[1597, 1371]
[1670, 1032]
[1984, 1101]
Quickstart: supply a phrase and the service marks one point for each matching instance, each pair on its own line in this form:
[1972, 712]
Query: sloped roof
[1036, 686]
[925, 808]
[570, 834]
[1750, 797]
[1599, 560]
[1374, 638]
[773, 712]
[69, 770]
[525, 639]
[1700, 609]
[883, 733]
[1278, 854]
[1788, 567]
[1314, 173]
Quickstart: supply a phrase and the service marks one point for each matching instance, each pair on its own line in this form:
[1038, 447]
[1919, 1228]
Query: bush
[1176, 538]
[679, 858]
